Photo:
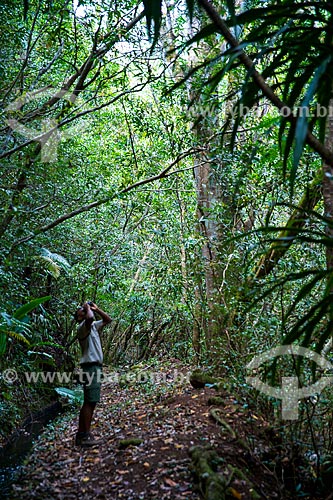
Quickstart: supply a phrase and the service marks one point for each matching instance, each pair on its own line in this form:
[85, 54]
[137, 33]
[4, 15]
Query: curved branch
[85, 208]
[80, 75]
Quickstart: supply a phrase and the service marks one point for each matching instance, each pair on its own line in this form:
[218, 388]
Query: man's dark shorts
[92, 378]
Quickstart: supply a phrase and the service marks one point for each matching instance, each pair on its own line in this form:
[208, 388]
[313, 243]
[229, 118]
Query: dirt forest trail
[164, 419]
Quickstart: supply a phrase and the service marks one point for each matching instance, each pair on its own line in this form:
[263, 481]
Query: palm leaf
[153, 13]
[306, 290]
[324, 336]
[17, 336]
[12, 327]
[205, 32]
[278, 284]
[8, 323]
[302, 121]
[308, 321]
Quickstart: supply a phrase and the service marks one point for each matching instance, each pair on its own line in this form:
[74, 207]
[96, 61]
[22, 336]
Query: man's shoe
[86, 440]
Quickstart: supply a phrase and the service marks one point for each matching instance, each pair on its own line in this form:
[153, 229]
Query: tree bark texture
[328, 187]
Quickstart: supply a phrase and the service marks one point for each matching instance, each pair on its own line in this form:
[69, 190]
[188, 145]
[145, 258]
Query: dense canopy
[173, 162]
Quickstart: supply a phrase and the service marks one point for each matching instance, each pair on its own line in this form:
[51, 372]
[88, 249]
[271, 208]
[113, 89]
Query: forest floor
[170, 417]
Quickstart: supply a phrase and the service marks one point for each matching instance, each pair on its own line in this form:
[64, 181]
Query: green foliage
[54, 262]
[74, 229]
[30, 306]
[275, 35]
[9, 413]
[74, 396]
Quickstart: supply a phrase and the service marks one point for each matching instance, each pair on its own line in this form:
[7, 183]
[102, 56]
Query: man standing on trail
[91, 362]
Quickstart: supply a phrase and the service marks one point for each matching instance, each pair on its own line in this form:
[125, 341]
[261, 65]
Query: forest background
[180, 177]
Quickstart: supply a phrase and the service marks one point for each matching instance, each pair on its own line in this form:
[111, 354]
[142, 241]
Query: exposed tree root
[205, 461]
[214, 412]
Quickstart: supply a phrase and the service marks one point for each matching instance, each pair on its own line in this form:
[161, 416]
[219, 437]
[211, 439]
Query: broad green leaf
[70, 394]
[54, 262]
[30, 306]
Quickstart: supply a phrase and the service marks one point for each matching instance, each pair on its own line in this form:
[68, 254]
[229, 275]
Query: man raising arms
[91, 362]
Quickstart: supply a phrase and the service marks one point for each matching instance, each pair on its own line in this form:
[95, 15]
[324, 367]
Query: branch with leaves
[267, 91]
[86, 208]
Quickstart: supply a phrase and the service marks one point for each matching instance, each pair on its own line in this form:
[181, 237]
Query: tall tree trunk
[183, 263]
[205, 189]
[207, 196]
[328, 187]
[328, 207]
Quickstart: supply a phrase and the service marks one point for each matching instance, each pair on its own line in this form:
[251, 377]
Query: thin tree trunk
[207, 195]
[136, 277]
[328, 206]
[328, 188]
[183, 265]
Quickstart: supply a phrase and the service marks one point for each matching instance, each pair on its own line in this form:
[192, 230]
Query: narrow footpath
[161, 439]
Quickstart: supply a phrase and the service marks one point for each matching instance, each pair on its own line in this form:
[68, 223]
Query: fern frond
[17, 336]
[9, 323]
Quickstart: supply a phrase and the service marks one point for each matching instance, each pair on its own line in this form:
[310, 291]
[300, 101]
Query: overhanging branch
[86, 208]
